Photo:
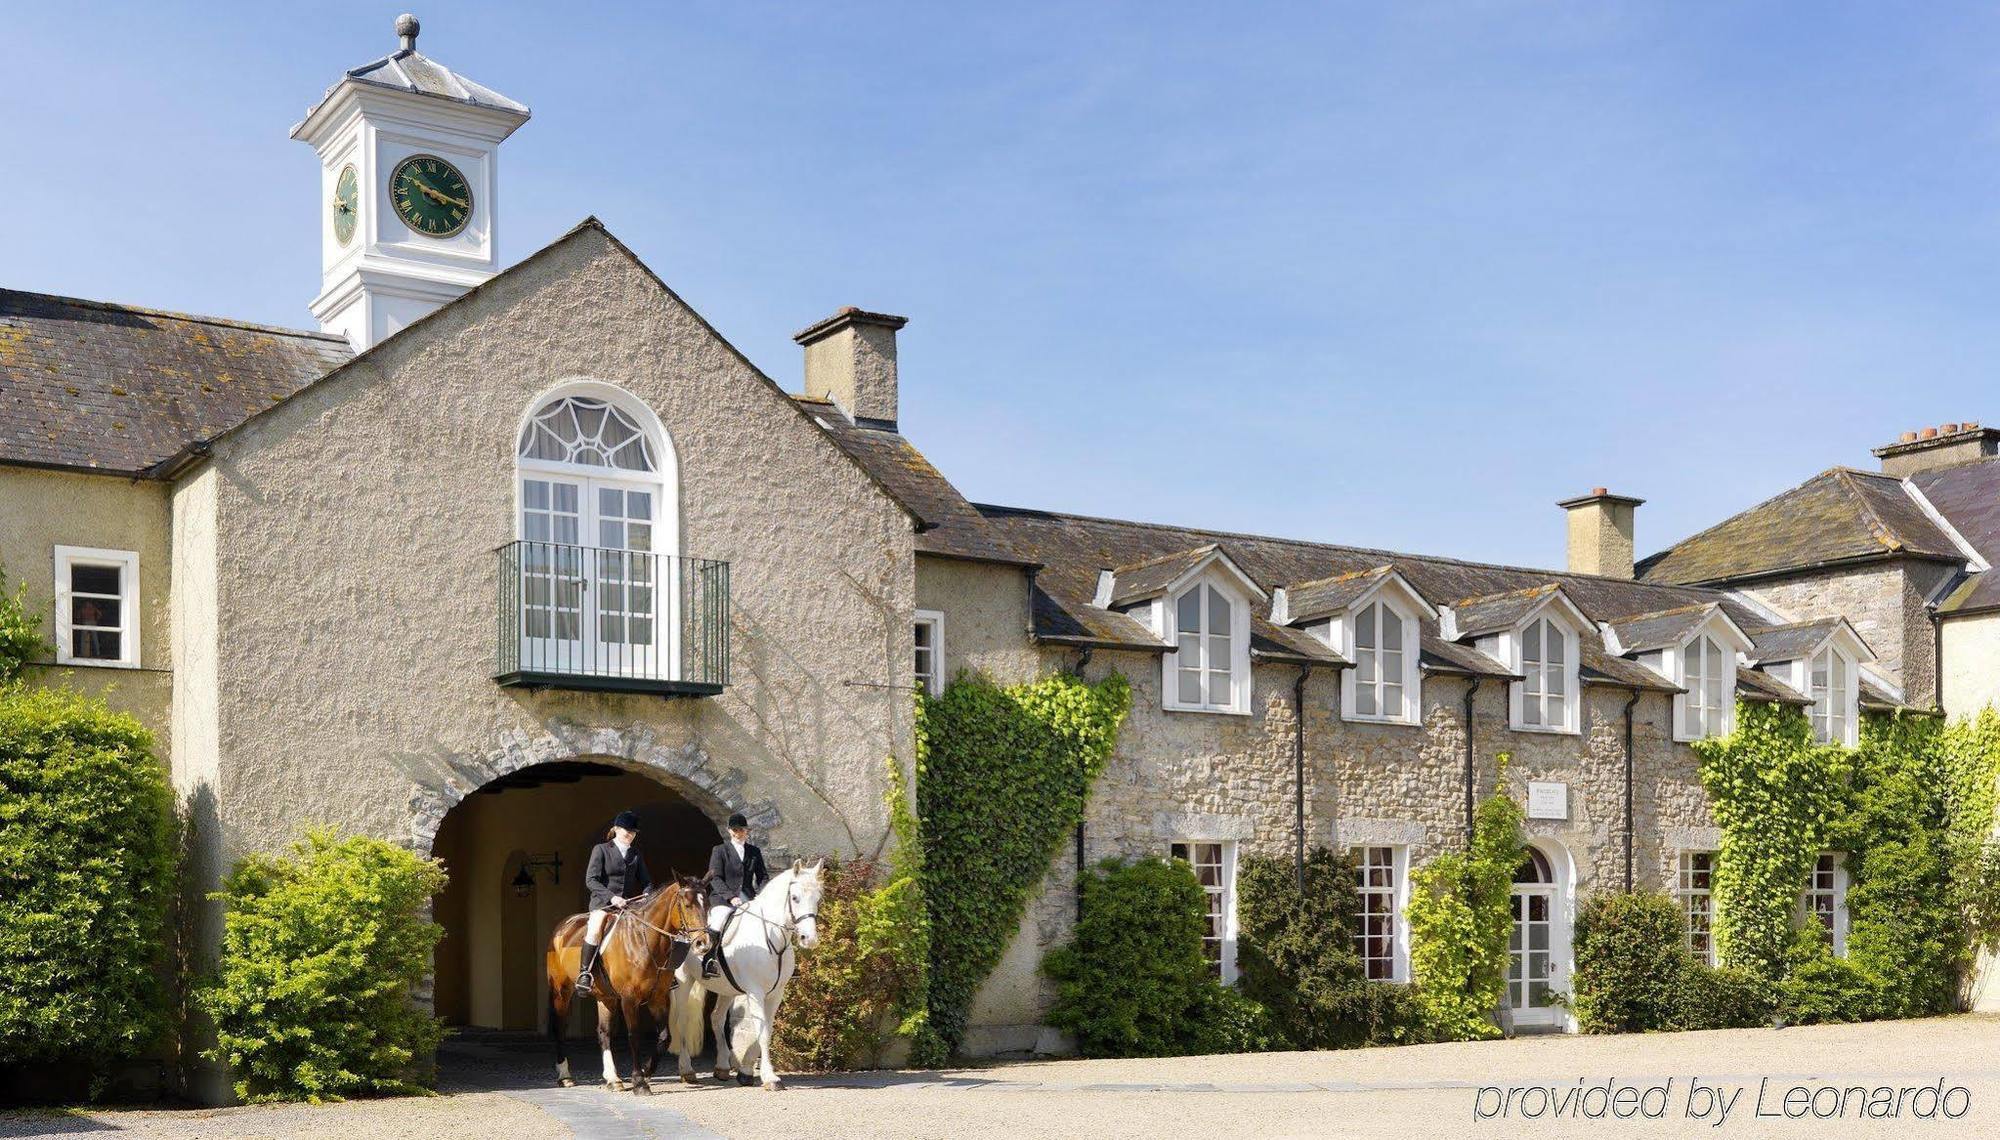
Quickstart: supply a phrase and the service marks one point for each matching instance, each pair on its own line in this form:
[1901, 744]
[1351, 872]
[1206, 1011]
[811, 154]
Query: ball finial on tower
[407, 28]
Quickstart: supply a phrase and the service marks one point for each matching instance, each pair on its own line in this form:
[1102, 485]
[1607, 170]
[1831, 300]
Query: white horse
[757, 951]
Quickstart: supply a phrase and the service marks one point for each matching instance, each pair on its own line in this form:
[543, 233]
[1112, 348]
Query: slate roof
[1641, 632]
[1312, 601]
[1759, 685]
[1493, 612]
[951, 528]
[1789, 642]
[118, 388]
[1968, 496]
[1137, 581]
[1841, 515]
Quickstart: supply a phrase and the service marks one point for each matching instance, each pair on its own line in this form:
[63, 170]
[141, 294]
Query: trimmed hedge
[322, 950]
[1133, 981]
[1297, 958]
[87, 871]
[1634, 973]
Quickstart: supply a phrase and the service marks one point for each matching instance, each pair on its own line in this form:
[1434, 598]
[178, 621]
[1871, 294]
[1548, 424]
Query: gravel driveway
[498, 1088]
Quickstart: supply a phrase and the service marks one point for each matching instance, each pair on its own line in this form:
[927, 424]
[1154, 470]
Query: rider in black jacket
[736, 872]
[616, 876]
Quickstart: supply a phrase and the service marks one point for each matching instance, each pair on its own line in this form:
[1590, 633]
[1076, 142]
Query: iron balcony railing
[584, 617]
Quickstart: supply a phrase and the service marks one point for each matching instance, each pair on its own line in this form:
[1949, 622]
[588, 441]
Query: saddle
[715, 963]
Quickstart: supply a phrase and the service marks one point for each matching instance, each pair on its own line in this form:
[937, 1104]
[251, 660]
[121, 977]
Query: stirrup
[585, 984]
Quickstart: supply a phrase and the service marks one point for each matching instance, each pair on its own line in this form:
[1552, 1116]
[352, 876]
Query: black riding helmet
[629, 820]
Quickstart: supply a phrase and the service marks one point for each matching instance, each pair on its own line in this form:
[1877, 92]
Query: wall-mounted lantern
[524, 879]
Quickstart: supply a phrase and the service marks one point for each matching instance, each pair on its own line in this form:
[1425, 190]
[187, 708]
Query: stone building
[496, 552]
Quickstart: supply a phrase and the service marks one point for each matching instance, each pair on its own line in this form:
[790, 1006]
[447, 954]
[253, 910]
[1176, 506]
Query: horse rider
[736, 872]
[617, 876]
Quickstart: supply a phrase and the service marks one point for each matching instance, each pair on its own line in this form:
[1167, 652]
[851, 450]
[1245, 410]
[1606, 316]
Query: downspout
[1471, 805]
[1299, 778]
[1083, 798]
[1937, 657]
[1628, 789]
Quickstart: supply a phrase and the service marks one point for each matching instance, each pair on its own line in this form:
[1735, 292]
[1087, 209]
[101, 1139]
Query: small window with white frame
[1708, 706]
[930, 651]
[1382, 684]
[97, 604]
[1545, 697]
[1214, 868]
[1379, 886]
[1833, 681]
[1207, 670]
[1696, 891]
[1824, 901]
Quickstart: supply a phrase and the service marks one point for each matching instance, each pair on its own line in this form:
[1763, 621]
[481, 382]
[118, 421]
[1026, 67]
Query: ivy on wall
[1776, 796]
[1461, 914]
[1003, 775]
[20, 632]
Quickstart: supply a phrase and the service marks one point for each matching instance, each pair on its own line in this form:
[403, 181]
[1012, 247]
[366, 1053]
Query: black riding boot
[584, 981]
[708, 959]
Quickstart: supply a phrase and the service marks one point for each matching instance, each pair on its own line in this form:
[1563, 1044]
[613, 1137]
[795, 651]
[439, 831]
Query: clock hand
[435, 195]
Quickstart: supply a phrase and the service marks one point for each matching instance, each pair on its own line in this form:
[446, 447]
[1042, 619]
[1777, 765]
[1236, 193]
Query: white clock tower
[409, 178]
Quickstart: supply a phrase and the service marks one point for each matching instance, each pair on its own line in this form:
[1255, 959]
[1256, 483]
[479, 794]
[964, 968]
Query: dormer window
[1210, 639]
[1708, 707]
[1382, 685]
[1833, 697]
[1546, 694]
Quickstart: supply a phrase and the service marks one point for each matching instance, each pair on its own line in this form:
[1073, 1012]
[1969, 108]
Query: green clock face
[430, 195]
[346, 201]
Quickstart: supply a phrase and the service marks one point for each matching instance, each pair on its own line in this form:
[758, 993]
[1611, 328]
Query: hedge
[1296, 957]
[322, 950]
[1634, 972]
[87, 872]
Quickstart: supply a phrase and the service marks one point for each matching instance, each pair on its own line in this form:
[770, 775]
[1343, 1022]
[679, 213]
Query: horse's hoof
[566, 1083]
[614, 1086]
[745, 1080]
[774, 1086]
[690, 1079]
[723, 1074]
[642, 1090]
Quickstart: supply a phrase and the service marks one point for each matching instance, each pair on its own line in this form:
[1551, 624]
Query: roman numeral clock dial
[430, 195]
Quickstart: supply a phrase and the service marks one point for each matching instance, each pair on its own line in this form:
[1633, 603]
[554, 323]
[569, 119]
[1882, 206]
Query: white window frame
[126, 562]
[1836, 892]
[1238, 702]
[1572, 696]
[1350, 678]
[1226, 950]
[1839, 708]
[1686, 893]
[1398, 896]
[1716, 722]
[934, 621]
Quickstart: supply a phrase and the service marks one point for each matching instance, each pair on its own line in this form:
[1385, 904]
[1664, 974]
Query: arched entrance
[516, 851]
[1538, 948]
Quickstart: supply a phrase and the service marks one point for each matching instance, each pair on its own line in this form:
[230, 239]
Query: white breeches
[718, 914]
[593, 928]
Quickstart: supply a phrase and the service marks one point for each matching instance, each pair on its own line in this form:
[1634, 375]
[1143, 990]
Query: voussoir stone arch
[440, 783]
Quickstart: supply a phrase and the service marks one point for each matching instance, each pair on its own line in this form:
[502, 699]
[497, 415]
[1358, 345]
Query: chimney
[1600, 533]
[1938, 446]
[851, 360]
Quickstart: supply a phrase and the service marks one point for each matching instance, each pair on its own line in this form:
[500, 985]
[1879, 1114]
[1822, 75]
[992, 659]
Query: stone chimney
[1937, 446]
[851, 360]
[1600, 533]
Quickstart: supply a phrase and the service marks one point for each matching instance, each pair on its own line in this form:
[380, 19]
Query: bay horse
[644, 944]
[758, 964]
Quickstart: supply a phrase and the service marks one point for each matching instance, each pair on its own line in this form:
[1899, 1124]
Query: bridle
[789, 931]
[686, 938]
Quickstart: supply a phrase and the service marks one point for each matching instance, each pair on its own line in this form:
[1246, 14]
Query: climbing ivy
[1777, 797]
[21, 638]
[1460, 915]
[1003, 774]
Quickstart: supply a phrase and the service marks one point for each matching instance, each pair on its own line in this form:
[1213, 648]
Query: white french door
[1536, 971]
[591, 580]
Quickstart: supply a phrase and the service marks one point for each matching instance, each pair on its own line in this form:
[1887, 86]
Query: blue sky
[1394, 275]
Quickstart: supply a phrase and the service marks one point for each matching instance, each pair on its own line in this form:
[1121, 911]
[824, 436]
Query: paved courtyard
[498, 1087]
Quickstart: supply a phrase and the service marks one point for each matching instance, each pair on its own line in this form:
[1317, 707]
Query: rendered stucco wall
[40, 510]
[986, 617]
[1972, 664]
[356, 529]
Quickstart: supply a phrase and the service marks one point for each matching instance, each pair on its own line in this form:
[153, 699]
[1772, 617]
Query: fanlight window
[588, 432]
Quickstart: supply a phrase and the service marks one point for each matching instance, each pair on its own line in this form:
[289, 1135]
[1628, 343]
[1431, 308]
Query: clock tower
[409, 175]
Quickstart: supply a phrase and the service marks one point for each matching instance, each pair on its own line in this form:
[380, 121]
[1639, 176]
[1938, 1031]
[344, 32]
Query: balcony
[612, 621]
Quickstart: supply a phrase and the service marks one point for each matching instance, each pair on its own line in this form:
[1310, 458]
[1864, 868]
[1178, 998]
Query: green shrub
[1818, 987]
[1634, 973]
[21, 638]
[1003, 775]
[1631, 963]
[1133, 981]
[321, 950]
[1296, 957]
[87, 864]
[1229, 1022]
[1461, 913]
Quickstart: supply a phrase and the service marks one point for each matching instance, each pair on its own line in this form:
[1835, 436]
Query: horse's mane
[638, 941]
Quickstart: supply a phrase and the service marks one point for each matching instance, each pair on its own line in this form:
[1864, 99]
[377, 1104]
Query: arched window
[1383, 680]
[1206, 626]
[597, 534]
[1708, 673]
[1547, 669]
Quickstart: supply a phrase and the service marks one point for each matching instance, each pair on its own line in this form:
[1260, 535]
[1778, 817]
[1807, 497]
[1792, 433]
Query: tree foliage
[322, 950]
[1003, 774]
[87, 869]
[21, 638]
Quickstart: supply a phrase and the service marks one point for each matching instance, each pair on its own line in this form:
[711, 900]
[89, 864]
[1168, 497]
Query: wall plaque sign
[1548, 800]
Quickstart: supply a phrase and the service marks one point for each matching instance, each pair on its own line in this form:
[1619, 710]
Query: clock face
[430, 195]
[346, 201]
